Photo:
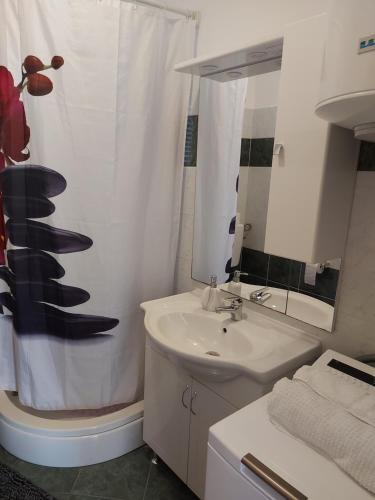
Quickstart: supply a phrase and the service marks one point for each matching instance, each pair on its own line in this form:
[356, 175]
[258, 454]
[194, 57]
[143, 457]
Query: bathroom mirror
[237, 120]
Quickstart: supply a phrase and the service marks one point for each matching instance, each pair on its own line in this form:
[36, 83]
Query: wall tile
[254, 263]
[263, 122]
[279, 270]
[247, 124]
[326, 283]
[295, 273]
[287, 274]
[275, 284]
[366, 159]
[245, 152]
[261, 152]
[252, 279]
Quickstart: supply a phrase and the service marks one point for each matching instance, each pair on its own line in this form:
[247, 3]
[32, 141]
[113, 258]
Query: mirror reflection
[237, 120]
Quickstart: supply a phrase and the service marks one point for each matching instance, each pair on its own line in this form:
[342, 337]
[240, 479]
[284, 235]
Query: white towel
[355, 396]
[327, 425]
[311, 270]
[237, 244]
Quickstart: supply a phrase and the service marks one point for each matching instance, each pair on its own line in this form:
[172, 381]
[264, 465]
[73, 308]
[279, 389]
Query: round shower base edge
[31, 445]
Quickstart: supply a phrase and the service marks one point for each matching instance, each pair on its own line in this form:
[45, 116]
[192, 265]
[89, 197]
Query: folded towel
[327, 426]
[355, 396]
[237, 244]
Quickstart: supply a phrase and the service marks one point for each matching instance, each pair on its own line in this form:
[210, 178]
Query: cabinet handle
[195, 394]
[183, 396]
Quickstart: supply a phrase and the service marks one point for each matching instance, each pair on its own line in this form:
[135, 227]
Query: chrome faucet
[261, 295]
[234, 308]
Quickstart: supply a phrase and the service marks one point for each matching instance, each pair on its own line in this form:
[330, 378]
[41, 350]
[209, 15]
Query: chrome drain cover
[213, 353]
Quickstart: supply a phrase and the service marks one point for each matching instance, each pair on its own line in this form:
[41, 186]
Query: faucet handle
[234, 301]
[261, 295]
[237, 300]
[259, 292]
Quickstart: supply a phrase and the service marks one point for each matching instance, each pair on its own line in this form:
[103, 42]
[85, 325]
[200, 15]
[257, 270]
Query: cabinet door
[313, 177]
[207, 408]
[167, 413]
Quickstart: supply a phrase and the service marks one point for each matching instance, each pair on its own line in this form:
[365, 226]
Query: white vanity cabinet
[188, 389]
[207, 408]
[178, 413]
[167, 411]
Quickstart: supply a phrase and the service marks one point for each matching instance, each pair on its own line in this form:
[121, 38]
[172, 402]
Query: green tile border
[261, 152]
[191, 142]
[366, 161]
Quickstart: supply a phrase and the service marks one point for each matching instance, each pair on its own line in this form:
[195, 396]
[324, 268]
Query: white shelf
[261, 57]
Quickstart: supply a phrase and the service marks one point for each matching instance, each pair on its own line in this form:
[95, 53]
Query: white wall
[263, 90]
[227, 24]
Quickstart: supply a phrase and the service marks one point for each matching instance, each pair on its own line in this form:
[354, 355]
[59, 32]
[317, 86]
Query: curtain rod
[190, 14]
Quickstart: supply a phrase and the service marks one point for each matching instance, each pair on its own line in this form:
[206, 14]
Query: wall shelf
[261, 57]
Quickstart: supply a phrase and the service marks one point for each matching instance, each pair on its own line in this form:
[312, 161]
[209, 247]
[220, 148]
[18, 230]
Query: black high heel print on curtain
[229, 269]
[25, 194]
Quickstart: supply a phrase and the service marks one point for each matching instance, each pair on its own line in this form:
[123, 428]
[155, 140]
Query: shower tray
[68, 438]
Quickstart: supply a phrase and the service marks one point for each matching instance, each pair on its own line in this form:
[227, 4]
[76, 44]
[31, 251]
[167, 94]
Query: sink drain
[213, 353]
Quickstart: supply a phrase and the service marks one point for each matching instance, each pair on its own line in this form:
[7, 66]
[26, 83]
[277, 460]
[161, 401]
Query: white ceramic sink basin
[215, 347]
[311, 310]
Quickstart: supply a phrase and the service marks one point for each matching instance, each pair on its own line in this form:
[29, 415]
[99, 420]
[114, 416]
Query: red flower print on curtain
[14, 131]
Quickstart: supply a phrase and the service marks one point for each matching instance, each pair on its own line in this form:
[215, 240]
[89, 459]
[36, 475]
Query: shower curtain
[91, 192]
[221, 109]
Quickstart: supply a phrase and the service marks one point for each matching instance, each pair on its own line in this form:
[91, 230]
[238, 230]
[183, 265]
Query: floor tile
[6, 458]
[163, 484]
[68, 496]
[62, 496]
[123, 478]
[50, 479]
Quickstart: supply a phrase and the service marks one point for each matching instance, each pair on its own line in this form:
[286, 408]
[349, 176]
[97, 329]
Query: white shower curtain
[221, 109]
[114, 128]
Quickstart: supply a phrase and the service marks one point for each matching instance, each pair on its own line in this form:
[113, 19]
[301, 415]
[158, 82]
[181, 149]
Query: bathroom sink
[311, 310]
[216, 348]
[197, 333]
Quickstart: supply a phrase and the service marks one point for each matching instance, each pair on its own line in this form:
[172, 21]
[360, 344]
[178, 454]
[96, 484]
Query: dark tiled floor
[130, 477]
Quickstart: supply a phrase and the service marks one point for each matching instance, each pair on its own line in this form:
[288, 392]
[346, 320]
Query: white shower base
[68, 439]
